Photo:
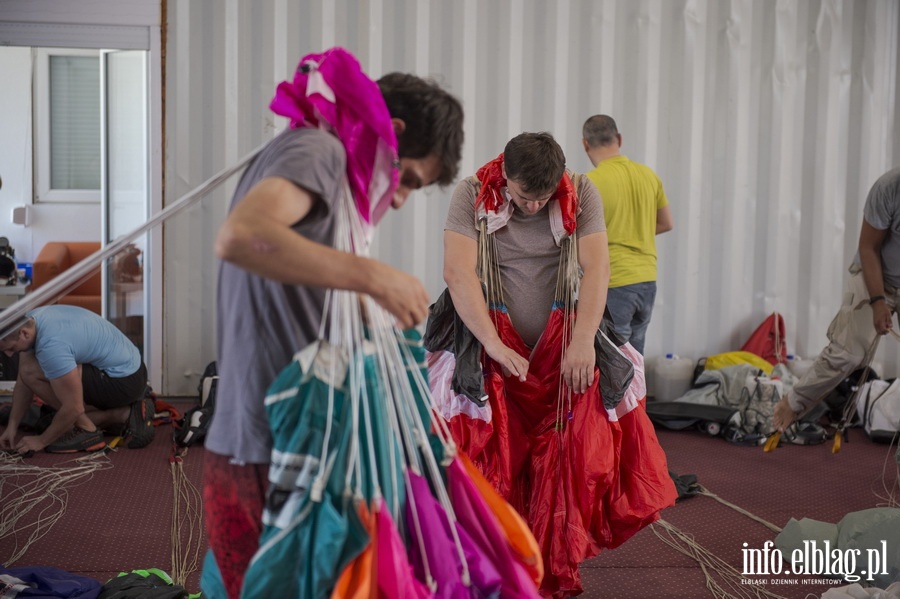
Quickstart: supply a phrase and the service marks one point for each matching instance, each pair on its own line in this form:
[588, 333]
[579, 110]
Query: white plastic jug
[650, 375]
[673, 378]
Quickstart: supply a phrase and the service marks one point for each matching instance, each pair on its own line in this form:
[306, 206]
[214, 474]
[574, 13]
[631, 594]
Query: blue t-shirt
[66, 336]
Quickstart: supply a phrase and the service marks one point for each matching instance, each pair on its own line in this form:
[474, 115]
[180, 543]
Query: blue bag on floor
[44, 582]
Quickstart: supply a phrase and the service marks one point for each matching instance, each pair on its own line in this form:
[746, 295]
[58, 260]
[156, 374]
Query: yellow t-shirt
[631, 194]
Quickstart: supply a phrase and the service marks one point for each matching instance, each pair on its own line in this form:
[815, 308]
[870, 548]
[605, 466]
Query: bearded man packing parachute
[523, 240]
[278, 258]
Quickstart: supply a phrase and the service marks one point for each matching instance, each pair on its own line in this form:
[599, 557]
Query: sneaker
[140, 423]
[77, 439]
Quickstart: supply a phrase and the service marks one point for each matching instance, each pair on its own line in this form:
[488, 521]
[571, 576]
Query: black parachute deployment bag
[196, 421]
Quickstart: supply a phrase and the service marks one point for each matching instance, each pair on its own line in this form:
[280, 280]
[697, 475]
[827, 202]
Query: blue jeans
[631, 307]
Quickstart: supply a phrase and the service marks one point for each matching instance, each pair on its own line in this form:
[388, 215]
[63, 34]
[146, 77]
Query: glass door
[125, 188]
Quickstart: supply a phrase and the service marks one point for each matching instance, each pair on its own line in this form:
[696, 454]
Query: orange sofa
[58, 256]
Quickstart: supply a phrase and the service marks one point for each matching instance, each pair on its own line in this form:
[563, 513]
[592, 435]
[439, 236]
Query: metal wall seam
[420, 230]
[561, 77]
[737, 195]
[690, 291]
[824, 202]
[515, 85]
[280, 58]
[784, 252]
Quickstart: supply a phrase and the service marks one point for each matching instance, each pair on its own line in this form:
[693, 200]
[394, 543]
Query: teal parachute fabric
[307, 512]
[309, 507]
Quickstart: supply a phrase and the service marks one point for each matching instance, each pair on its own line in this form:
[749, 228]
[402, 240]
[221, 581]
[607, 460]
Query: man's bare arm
[578, 362]
[870, 242]
[257, 237]
[664, 220]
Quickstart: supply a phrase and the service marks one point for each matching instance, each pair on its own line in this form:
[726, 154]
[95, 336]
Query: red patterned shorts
[233, 500]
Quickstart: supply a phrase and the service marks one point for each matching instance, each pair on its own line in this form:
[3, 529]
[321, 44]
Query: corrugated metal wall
[766, 120]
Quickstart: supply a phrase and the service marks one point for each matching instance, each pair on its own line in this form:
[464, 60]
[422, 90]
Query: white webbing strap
[14, 316]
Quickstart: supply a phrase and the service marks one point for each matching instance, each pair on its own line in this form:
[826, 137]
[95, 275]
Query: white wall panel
[766, 120]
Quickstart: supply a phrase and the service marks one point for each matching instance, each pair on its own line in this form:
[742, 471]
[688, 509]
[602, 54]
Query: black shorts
[105, 392]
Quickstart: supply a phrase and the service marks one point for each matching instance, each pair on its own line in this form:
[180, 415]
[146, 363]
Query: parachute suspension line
[410, 422]
[441, 428]
[561, 296]
[740, 510]
[488, 269]
[722, 580]
[407, 450]
[567, 280]
[378, 320]
[850, 407]
[187, 513]
[348, 238]
[357, 242]
[404, 355]
[35, 498]
[888, 493]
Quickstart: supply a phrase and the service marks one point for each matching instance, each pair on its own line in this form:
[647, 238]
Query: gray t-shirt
[527, 252]
[882, 211]
[261, 323]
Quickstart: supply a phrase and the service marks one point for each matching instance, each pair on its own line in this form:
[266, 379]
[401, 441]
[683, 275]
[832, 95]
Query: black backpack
[192, 428]
[141, 585]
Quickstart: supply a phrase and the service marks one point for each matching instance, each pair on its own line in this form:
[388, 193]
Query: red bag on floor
[768, 340]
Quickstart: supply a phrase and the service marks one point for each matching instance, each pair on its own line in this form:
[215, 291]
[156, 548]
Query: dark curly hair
[535, 161]
[434, 121]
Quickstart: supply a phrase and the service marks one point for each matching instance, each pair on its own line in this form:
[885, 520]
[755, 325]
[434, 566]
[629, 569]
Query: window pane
[74, 122]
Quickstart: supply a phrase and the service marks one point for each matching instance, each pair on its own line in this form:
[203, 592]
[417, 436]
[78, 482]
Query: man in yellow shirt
[636, 210]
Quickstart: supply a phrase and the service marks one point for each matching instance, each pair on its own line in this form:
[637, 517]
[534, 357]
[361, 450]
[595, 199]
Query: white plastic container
[650, 375]
[673, 377]
[798, 366]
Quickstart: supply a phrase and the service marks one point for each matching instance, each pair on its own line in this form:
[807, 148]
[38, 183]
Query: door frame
[61, 26]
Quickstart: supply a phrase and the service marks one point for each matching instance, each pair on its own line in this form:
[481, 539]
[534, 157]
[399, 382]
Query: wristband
[876, 298]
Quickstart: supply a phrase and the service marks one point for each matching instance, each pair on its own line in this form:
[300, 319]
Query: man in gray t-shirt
[528, 258]
[277, 260]
[869, 303]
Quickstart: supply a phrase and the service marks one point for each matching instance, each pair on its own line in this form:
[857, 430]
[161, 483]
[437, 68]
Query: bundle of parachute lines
[368, 496]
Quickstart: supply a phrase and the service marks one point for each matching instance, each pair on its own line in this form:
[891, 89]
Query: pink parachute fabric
[476, 517]
[393, 570]
[519, 537]
[330, 91]
[433, 549]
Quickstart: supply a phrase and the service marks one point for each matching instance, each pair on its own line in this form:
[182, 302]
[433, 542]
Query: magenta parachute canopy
[331, 92]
